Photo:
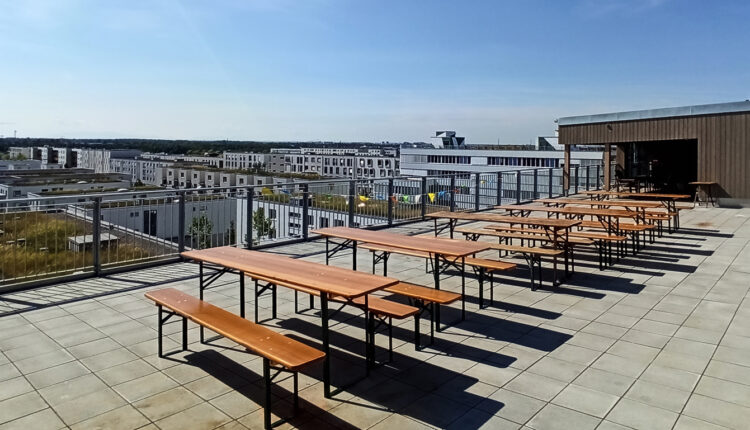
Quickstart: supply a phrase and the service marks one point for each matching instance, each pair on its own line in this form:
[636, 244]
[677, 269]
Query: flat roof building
[673, 146]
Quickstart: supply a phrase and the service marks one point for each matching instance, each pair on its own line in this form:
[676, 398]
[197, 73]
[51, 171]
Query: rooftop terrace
[658, 341]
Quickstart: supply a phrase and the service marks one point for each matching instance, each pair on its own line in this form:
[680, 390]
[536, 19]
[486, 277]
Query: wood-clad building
[673, 146]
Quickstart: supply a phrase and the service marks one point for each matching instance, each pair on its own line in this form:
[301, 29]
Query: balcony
[659, 340]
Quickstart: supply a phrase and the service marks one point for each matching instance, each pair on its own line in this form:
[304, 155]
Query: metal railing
[61, 237]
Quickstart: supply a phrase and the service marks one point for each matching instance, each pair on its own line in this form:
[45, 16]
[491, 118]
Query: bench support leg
[267, 385]
[242, 295]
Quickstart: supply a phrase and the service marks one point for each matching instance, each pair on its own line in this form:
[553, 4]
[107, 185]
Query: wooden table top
[702, 183]
[330, 279]
[551, 223]
[637, 195]
[433, 245]
[620, 213]
[645, 204]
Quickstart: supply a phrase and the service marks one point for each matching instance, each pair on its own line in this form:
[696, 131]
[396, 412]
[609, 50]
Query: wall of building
[723, 144]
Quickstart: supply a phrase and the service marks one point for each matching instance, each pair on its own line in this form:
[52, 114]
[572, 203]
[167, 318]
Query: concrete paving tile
[89, 405]
[604, 381]
[557, 369]
[700, 335]
[717, 412]
[145, 386]
[691, 363]
[108, 359]
[586, 400]
[671, 377]
[633, 351]
[54, 375]
[641, 416]
[575, 354]
[92, 348]
[537, 386]
[14, 387]
[71, 389]
[395, 421]
[689, 423]
[435, 410]
[167, 403]
[123, 418]
[200, 416]
[43, 361]
[554, 417]
[20, 406]
[8, 371]
[727, 391]
[658, 395]
[620, 365]
[690, 347]
[125, 372]
[662, 328]
[511, 405]
[46, 419]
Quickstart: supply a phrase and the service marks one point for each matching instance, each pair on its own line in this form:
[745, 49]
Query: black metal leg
[416, 331]
[390, 339]
[354, 255]
[481, 287]
[492, 288]
[312, 301]
[369, 333]
[200, 296]
[184, 334]
[463, 288]
[267, 386]
[327, 243]
[296, 305]
[242, 295]
[436, 274]
[326, 345]
[273, 291]
[257, 299]
[158, 314]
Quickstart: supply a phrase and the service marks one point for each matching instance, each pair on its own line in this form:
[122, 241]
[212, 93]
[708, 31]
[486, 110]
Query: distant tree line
[194, 147]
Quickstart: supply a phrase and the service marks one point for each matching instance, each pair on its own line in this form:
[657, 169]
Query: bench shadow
[235, 376]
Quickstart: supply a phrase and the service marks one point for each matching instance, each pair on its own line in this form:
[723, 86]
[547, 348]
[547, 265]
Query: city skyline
[351, 71]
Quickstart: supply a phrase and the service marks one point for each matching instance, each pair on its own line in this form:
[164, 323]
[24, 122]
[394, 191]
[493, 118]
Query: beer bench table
[607, 219]
[452, 253]
[557, 230]
[706, 188]
[279, 352]
[637, 206]
[329, 282]
[668, 200]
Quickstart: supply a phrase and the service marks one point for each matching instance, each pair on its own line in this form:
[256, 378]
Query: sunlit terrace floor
[660, 340]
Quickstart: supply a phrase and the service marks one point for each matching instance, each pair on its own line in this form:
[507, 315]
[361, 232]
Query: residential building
[18, 184]
[245, 160]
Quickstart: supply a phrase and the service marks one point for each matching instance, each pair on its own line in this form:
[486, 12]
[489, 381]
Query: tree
[262, 225]
[200, 231]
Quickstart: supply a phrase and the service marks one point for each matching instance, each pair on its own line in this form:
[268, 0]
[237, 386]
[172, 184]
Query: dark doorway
[149, 222]
[668, 165]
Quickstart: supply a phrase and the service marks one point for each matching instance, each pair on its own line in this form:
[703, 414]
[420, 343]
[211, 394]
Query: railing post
[576, 188]
[181, 222]
[352, 190]
[518, 187]
[550, 182]
[453, 193]
[249, 235]
[536, 179]
[597, 176]
[305, 211]
[96, 236]
[588, 178]
[499, 188]
[476, 191]
[390, 201]
[424, 196]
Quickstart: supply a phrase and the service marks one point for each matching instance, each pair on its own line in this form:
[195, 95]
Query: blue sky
[355, 69]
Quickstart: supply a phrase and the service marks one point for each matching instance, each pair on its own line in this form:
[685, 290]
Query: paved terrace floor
[659, 341]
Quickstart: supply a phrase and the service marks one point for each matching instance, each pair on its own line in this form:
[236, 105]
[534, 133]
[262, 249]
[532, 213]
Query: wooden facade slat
[723, 140]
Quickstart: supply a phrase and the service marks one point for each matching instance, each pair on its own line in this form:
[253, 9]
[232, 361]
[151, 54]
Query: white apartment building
[99, 159]
[245, 160]
[26, 152]
[462, 159]
[139, 170]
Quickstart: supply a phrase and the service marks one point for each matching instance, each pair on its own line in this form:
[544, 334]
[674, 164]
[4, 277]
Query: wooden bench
[481, 266]
[280, 353]
[634, 230]
[425, 299]
[382, 311]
